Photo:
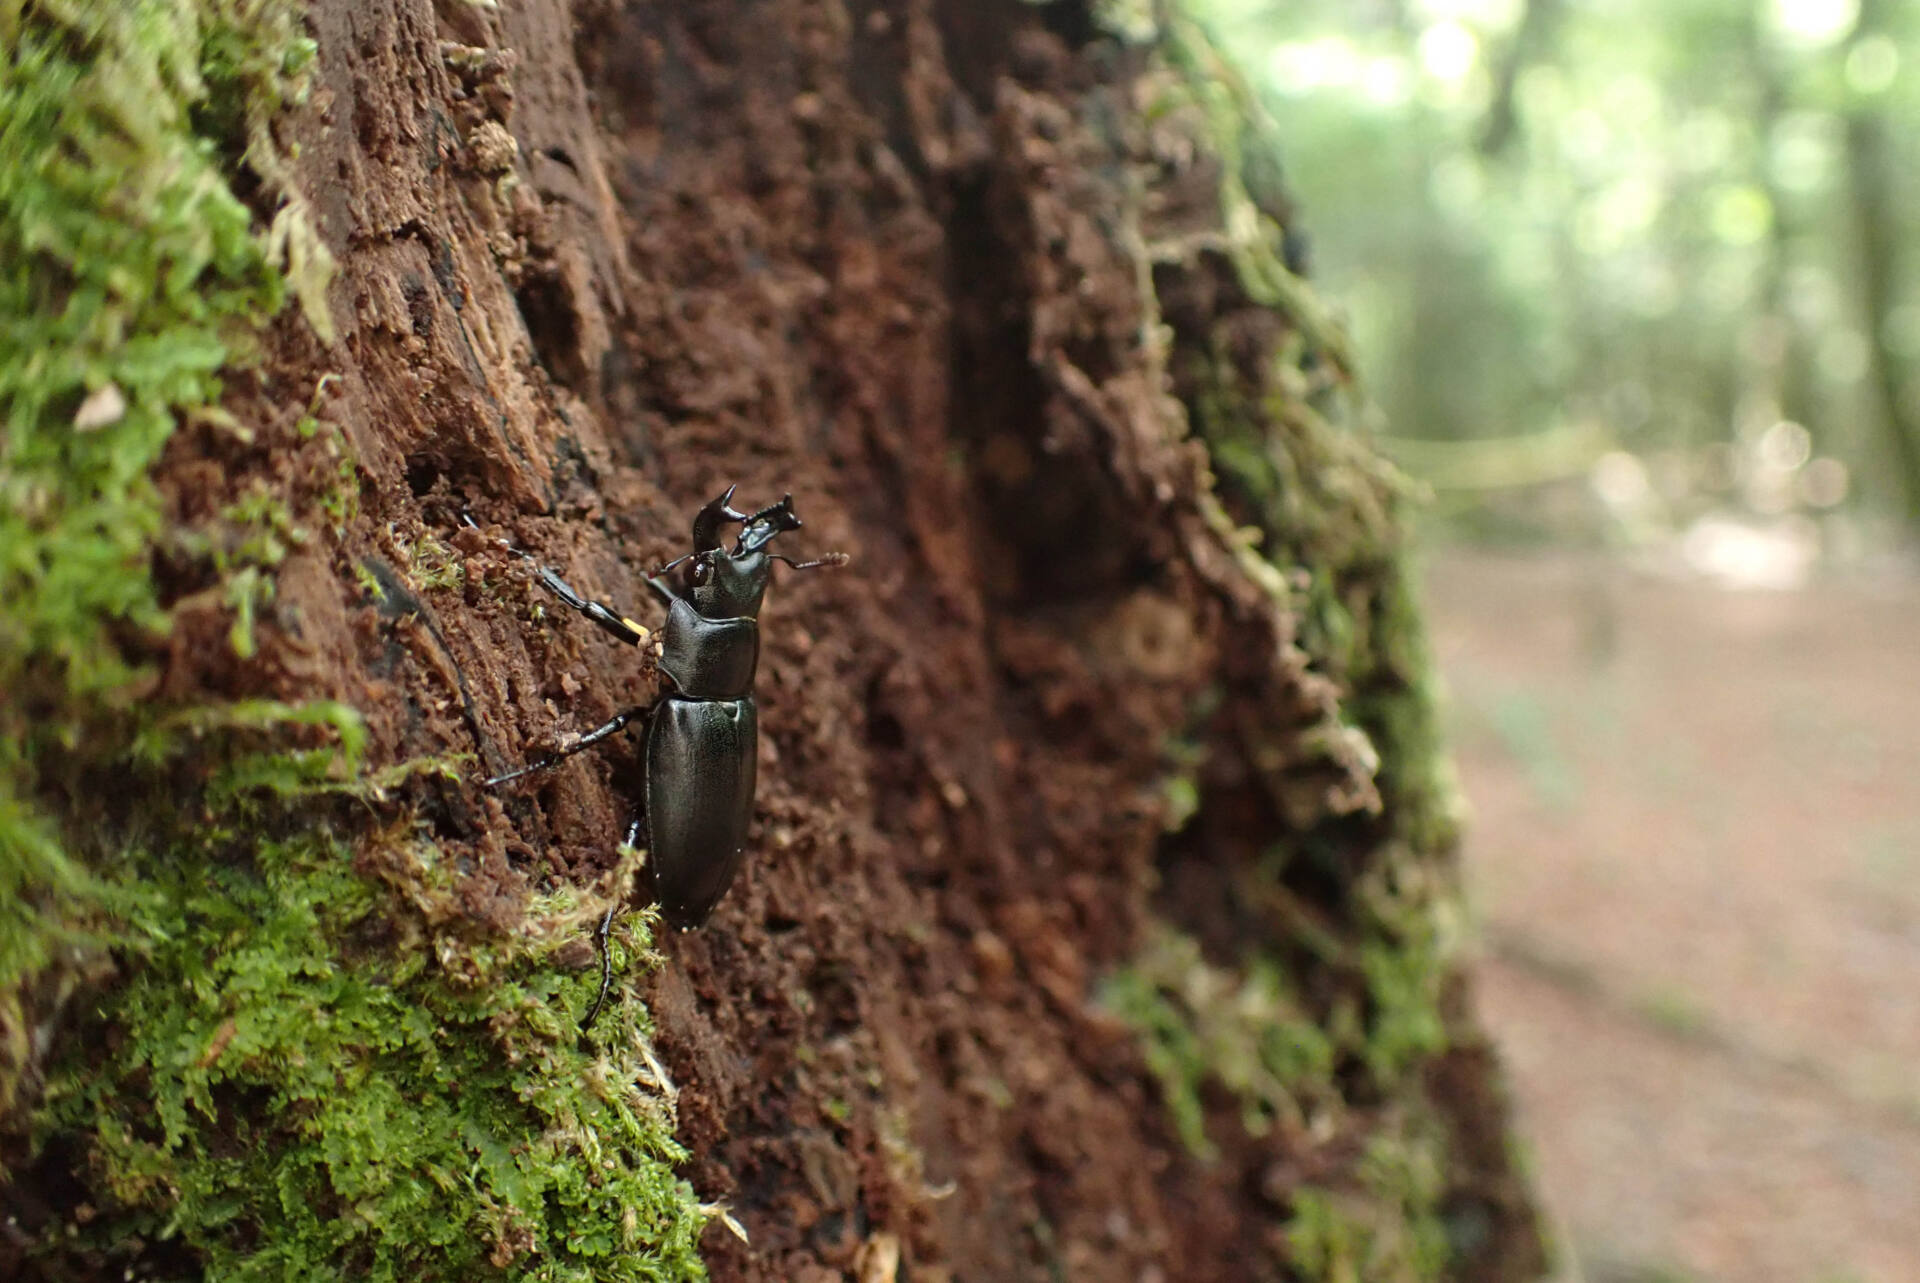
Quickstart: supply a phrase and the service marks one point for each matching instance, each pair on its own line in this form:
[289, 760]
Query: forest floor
[1694, 860]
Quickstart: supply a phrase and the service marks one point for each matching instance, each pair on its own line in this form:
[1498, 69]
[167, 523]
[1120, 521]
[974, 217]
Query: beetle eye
[699, 573]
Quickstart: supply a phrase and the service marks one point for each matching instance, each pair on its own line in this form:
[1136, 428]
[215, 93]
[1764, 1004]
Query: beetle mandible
[702, 733]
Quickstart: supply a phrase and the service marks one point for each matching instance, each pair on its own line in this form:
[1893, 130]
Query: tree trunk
[1094, 923]
[1874, 172]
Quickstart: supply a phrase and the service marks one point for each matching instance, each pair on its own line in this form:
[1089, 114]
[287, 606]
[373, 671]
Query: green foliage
[1327, 1027]
[434, 565]
[1403, 990]
[1205, 1029]
[125, 263]
[1246, 1034]
[369, 584]
[341, 500]
[129, 273]
[1286, 437]
[1395, 700]
[252, 538]
[50, 905]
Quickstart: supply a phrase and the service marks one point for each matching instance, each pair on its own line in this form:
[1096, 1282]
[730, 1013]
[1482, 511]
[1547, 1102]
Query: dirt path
[1694, 855]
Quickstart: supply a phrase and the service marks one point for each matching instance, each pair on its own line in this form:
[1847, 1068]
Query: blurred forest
[1619, 266]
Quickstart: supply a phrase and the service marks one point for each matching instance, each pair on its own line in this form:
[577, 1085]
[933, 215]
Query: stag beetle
[702, 733]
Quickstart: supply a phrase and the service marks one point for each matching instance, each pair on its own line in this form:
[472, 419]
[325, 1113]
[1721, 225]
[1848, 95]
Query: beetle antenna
[831, 559]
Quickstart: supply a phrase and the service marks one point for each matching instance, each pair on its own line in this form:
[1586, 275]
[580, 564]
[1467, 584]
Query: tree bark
[1122, 693]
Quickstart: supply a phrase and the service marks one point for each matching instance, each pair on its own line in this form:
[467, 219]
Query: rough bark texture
[925, 266]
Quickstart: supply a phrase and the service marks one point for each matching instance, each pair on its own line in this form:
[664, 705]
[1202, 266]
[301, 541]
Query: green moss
[1248, 1035]
[369, 583]
[299, 1057]
[318, 1069]
[125, 263]
[1207, 1032]
[434, 565]
[251, 539]
[1403, 990]
[1381, 1226]
[1312, 510]
[129, 276]
[340, 501]
[1396, 700]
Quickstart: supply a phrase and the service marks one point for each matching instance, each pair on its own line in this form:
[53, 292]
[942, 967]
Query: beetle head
[723, 584]
[757, 529]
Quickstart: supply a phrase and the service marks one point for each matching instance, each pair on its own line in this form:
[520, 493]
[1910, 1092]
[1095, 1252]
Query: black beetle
[702, 734]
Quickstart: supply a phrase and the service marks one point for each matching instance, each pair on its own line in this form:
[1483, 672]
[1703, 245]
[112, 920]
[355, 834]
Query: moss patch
[129, 275]
[1383, 1225]
[317, 1067]
[1248, 1034]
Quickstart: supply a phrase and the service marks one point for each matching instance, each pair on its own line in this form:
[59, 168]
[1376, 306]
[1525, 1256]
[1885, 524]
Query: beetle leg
[831, 559]
[601, 942]
[591, 738]
[601, 615]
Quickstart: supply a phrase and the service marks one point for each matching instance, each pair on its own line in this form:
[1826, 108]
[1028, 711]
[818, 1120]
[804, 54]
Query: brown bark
[598, 262]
